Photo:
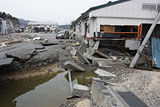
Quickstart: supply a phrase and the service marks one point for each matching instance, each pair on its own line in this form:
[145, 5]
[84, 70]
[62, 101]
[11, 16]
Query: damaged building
[121, 23]
[42, 26]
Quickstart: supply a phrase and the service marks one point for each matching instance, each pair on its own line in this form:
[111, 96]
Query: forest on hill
[5, 16]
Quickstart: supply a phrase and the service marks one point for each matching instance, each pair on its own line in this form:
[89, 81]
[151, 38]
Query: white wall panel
[130, 9]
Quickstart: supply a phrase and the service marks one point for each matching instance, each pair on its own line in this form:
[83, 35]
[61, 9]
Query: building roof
[85, 14]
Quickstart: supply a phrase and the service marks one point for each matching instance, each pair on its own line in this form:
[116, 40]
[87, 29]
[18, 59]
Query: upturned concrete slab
[114, 95]
[82, 57]
[104, 73]
[102, 96]
[91, 42]
[22, 55]
[73, 66]
[95, 47]
[6, 61]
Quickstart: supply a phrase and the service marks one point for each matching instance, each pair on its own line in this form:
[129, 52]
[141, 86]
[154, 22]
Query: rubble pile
[116, 80]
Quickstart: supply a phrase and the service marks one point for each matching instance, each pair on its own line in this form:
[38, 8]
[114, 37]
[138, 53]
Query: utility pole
[135, 59]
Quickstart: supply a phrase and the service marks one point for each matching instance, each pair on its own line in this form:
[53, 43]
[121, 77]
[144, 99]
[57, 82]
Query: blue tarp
[156, 52]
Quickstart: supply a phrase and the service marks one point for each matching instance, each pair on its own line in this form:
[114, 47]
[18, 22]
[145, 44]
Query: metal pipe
[135, 59]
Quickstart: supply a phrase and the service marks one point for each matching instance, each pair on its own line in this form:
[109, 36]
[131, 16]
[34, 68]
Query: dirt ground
[31, 73]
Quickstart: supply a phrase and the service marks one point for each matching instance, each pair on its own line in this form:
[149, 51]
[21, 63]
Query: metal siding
[156, 52]
[130, 9]
[122, 21]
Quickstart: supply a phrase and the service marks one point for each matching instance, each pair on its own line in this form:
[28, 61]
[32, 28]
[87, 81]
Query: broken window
[107, 28]
[127, 31]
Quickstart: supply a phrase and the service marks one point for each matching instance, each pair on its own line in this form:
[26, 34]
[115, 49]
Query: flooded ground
[48, 90]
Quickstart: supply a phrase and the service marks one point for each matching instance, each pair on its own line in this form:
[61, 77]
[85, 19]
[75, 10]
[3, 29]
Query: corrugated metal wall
[156, 52]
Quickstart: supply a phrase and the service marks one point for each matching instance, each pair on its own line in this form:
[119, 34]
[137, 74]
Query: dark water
[49, 90]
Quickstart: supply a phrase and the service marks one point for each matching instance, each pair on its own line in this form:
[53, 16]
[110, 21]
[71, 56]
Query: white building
[123, 19]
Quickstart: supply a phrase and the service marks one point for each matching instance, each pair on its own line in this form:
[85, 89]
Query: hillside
[5, 16]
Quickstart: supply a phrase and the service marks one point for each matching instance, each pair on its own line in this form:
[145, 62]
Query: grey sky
[61, 11]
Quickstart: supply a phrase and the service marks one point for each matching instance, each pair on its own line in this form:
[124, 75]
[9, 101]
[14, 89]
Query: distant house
[118, 20]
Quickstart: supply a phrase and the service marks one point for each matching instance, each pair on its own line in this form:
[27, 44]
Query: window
[149, 6]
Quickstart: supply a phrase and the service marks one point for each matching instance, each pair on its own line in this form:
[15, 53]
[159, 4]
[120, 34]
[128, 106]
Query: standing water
[48, 90]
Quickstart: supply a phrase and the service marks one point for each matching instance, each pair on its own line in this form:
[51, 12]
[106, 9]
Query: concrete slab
[6, 61]
[91, 42]
[49, 43]
[80, 91]
[82, 57]
[81, 87]
[113, 95]
[104, 73]
[95, 48]
[94, 59]
[73, 66]
[22, 55]
[102, 96]
[132, 44]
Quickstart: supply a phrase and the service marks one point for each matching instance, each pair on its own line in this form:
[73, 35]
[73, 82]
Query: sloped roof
[84, 15]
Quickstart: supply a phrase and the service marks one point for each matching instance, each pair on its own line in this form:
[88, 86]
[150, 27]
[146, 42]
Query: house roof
[85, 14]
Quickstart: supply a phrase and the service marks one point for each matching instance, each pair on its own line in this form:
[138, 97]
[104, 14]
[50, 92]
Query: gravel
[143, 83]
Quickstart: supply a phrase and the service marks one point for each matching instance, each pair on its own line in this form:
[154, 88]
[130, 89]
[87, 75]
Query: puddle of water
[83, 78]
[49, 90]
[49, 94]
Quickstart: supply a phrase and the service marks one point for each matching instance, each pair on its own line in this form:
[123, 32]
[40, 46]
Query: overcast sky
[61, 11]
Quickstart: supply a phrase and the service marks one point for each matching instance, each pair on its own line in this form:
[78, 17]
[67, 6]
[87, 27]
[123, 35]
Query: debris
[83, 103]
[102, 64]
[71, 97]
[102, 54]
[36, 38]
[82, 57]
[80, 87]
[80, 91]
[50, 70]
[103, 73]
[73, 66]
[82, 48]
[95, 48]
[94, 59]
[135, 59]
[73, 52]
[114, 58]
